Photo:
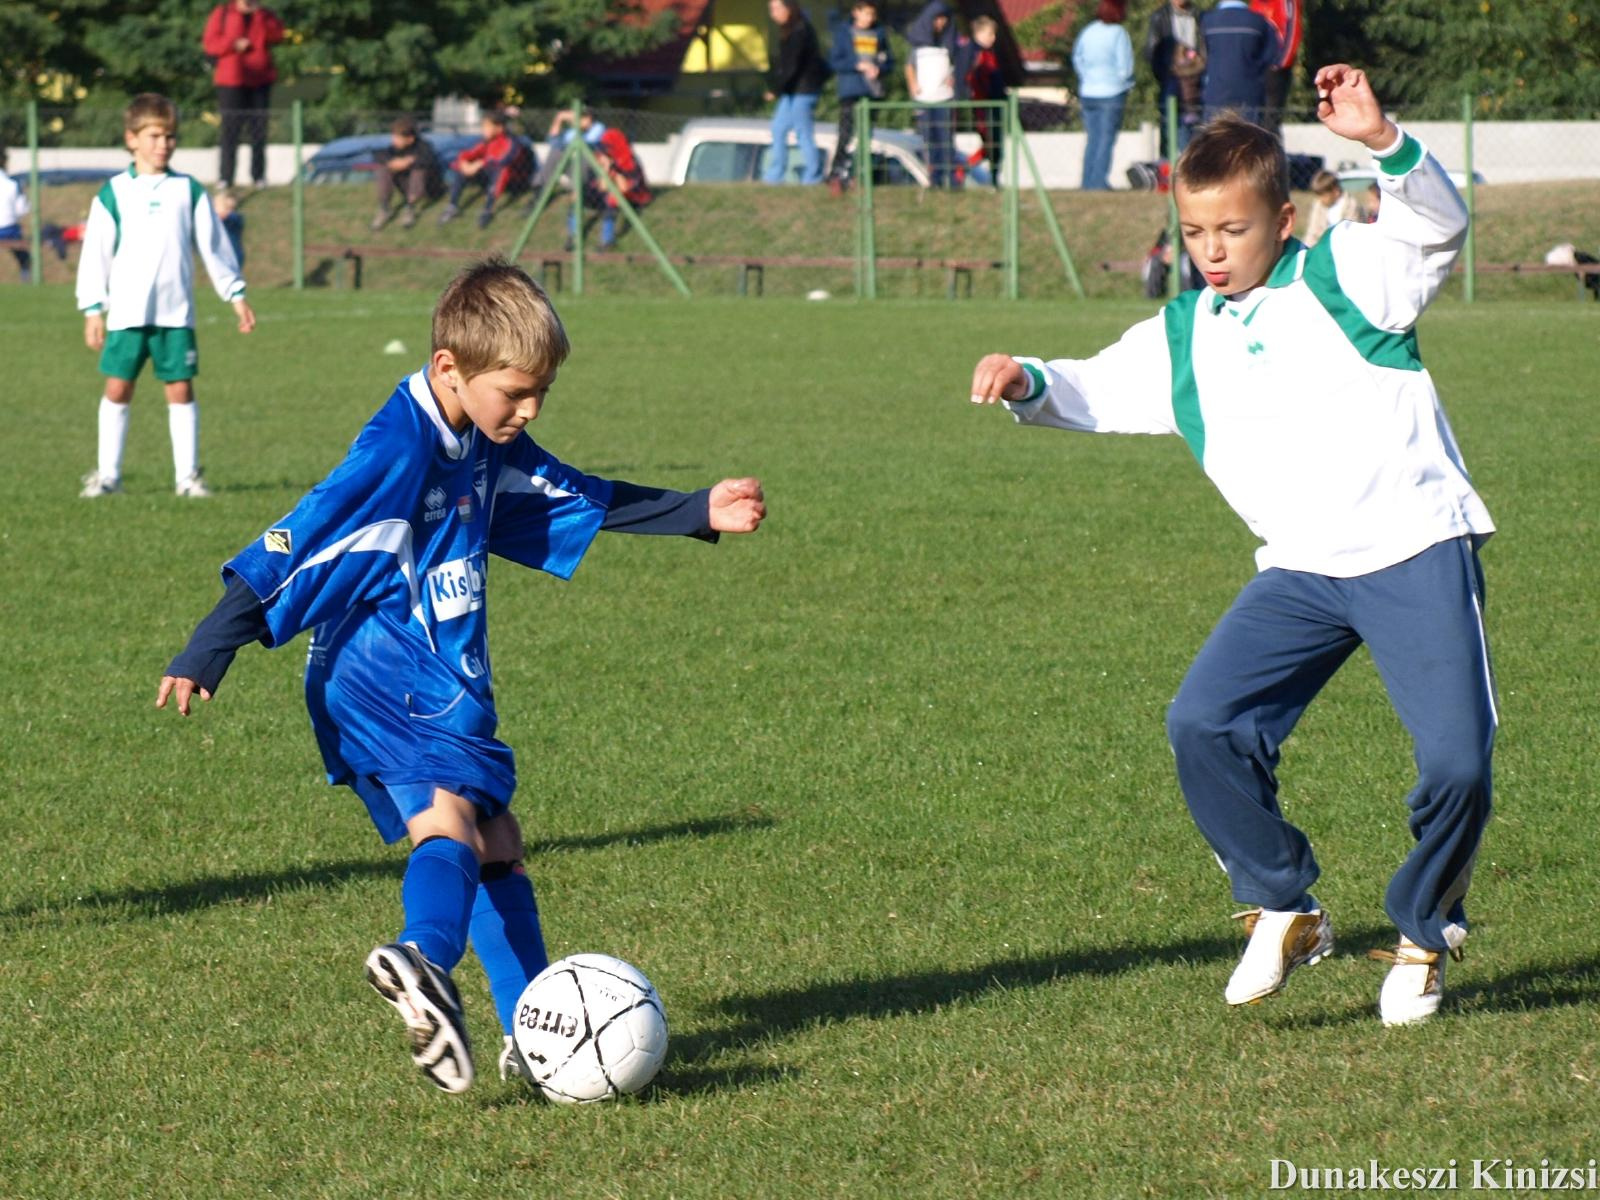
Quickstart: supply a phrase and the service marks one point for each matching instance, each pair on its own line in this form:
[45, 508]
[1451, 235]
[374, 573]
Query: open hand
[94, 330]
[181, 691]
[998, 377]
[738, 506]
[246, 314]
[1348, 107]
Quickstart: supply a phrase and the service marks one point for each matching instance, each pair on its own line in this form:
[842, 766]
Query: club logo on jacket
[464, 508]
[278, 541]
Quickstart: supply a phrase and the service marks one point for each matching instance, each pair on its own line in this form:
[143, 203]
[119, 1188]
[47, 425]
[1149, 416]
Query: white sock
[183, 422]
[113, 433]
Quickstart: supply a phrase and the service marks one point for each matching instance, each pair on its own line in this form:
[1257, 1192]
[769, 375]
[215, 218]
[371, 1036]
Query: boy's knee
[1192, 722]
[1455, 771]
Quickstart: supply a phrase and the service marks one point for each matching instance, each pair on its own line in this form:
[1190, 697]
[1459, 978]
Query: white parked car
[735, 149]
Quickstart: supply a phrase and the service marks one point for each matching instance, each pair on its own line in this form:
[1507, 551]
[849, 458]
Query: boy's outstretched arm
[1392, 269]
[237, 620]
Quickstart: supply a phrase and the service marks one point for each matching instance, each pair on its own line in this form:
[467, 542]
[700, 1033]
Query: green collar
[1291, 263]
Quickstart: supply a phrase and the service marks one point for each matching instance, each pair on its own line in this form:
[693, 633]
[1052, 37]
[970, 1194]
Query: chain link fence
[698, 191]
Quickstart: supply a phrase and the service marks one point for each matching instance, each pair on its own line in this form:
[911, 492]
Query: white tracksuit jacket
[137, 261]
[1304, 400]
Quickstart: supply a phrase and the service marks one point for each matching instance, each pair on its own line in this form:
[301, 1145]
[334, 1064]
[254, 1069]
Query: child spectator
[13, 207]
[406, 165]
[227, 209]
[986, 81]
[931, 77]
[503, 163]
[1295, 379]
[616, 157]
[861, 61]
[1333, 204]
[136, 291]
[387, 560]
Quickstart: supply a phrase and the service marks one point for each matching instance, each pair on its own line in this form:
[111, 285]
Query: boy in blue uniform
[386, 561]
[1294, 376]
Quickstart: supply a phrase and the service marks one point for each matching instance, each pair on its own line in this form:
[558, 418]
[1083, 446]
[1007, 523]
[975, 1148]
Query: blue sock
[506, 935]
[437, 892]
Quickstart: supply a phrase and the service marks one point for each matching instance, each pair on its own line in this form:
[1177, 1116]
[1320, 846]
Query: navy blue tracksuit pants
[1272, 652]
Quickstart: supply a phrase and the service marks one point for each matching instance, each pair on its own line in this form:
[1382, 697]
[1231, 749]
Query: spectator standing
[501, 161]
[1241, 47]
[795, 85]
[1103, 58]
[861, 61]
[1287, 17]
[1176, 51]
[409, 166]
[931, 77]
[238, 39]
[986, 81]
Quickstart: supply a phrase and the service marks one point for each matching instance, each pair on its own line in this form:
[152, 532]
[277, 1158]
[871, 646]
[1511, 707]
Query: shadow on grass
[765, 1016]
[255, 887]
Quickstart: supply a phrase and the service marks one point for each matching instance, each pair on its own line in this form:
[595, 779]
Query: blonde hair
[1325, 181]
[985, 25]
[149, 108]
[1230, 148]
[492, 316]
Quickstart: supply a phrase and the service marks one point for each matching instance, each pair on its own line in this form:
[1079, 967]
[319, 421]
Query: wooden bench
[751, 268]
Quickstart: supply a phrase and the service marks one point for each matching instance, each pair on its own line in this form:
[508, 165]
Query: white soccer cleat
[427, 1001]
[1414, 987]
[1279, 942]
[96, 485]
[193, 487]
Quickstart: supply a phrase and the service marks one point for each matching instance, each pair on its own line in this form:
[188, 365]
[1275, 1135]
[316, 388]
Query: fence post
[1013, 222]
[298, 223]
[869, 247]
[577, 201]
[1174, 241]
[36, 226]
[1469, 252]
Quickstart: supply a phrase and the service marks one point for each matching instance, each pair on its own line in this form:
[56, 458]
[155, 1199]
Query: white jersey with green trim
[137, 261]
[1304, 399]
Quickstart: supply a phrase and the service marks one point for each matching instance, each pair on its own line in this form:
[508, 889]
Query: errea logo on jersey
[434, 501]
[455, 588]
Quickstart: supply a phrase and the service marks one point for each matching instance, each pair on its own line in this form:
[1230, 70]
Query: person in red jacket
[239, 38]
[1288, 18]
[502, 162]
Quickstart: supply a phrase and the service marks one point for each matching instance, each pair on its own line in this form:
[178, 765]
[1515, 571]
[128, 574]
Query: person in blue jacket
[861, 60]
[1241, 47]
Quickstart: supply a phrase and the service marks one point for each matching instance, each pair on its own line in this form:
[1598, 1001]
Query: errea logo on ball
[456, 587]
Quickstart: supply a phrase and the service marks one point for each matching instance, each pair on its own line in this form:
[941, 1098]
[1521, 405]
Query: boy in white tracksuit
[1295, 379]
[136, 290]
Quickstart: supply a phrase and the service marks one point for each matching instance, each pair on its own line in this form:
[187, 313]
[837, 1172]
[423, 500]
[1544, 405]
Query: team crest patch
[278, 541]
[464, 508]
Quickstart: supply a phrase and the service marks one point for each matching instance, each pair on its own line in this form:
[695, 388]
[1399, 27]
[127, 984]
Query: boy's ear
[443, 361]
[1286, 221]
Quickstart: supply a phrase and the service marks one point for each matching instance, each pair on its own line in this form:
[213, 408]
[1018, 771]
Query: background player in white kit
[136, 290]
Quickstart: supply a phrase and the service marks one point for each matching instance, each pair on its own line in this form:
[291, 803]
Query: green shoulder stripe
[108, 197]
[195, 191]
[1179, 316]
[1380, 347]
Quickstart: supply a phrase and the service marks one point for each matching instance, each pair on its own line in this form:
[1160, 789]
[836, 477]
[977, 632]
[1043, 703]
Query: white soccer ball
[590, 1027]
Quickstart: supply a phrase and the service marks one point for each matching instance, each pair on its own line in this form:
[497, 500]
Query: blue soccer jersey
[386, 561]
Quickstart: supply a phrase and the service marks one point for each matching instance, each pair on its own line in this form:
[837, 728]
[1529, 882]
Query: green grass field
[879, 798]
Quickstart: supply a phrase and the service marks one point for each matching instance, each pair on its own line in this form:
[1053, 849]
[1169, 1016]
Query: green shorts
[173, 353]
